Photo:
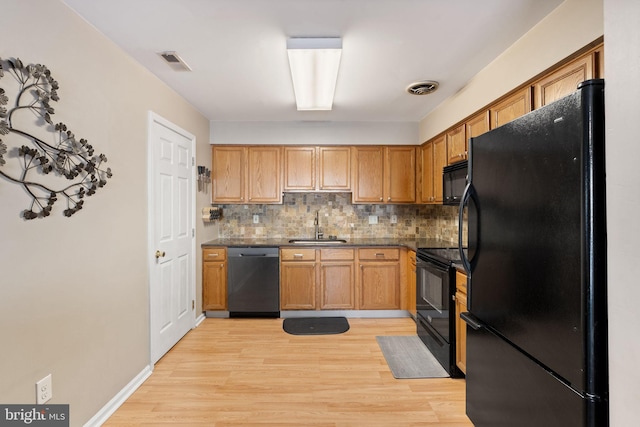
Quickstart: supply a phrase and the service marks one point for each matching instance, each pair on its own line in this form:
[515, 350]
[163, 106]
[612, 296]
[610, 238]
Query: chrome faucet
[316, 223]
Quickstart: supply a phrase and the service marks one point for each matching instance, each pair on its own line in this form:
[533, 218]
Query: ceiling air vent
[423, 87]
[174, 61]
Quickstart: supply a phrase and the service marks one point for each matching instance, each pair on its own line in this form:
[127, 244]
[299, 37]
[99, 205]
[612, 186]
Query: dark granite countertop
[361, 241]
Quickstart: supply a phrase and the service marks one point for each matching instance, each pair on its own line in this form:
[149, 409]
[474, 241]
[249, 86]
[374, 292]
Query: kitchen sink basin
[317, 241]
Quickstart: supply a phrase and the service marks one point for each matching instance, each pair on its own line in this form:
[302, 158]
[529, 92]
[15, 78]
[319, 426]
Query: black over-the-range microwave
[454, 179]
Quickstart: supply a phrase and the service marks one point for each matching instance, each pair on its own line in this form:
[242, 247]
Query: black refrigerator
[537, 268]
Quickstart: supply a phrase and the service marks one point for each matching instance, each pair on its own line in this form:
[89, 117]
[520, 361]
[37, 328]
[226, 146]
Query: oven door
[433, 296]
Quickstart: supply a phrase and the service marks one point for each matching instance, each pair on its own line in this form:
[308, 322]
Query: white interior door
[171, 230]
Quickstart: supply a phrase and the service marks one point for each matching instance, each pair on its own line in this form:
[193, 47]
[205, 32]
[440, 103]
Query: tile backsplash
[338, 217]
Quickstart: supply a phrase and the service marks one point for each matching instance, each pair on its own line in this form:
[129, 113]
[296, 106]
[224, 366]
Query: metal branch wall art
[44, 167]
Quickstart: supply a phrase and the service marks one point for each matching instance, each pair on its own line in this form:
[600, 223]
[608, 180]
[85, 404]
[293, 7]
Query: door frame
[152, 119]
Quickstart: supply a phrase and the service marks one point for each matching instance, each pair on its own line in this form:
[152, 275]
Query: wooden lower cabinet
[337, 290]
[411, 283]
[298, 285]
[214, 279]
[461, 326]
[379, 279]
[317, 279]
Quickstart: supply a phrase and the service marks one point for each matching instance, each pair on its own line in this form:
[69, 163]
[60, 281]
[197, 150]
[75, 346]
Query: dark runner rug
[315, 325]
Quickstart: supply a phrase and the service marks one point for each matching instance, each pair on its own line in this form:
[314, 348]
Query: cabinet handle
[381, 199]
[298, 255]
[388, 199]
[213, 255]
[380, 255]
[221, 265]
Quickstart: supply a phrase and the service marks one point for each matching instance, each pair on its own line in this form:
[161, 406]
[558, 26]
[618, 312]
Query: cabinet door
[228, 174]
[214, 285]
[298, 285]
[263, 175]
[564, 81]
[426, 173]
[411, 283]
[334, 168]
[510, 108]
[456, 144]
[461, 325]
[379, 286]
[337, 290]
[368, 164]
[400, 171]
[461, 332]
[439, 162]
[476, 126]
[299, 168]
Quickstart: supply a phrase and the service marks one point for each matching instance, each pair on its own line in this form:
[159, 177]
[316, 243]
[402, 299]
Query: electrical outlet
[373, 219]
[44, 390]
[256, 219]
[394, 219]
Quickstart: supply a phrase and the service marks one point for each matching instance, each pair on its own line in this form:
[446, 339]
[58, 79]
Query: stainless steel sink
[317, 241]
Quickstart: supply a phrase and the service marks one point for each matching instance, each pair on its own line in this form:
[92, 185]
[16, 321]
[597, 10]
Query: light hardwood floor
[249, 372]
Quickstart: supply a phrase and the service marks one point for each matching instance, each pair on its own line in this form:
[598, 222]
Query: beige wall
[74, 291]
[571, 26]
[315, 133]
[622, 97]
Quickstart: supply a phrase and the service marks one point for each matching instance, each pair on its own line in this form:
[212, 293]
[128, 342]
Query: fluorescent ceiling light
[314, 66]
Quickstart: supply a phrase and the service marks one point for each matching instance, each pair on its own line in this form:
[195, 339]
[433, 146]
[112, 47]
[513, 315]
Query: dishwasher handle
[249, 252]
[258, 255]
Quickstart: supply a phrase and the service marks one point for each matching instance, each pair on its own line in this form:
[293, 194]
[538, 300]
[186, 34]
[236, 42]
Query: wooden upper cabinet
[367, 182]
[433, 159]
[456, 144]
[299, 168]
[477, 125]
[228, 174]
[516, 105]
[599, 62]
[564, 81]
[317, 168]
[439, 162]
[334, 168]
[263, 174]
[246, 174]
[425, 192]
[400, 174]
[384, 174]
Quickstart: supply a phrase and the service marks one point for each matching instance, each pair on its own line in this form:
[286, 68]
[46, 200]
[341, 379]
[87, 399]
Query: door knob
[160, 254]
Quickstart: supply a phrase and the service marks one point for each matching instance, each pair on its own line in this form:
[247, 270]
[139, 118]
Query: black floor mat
[315, 325]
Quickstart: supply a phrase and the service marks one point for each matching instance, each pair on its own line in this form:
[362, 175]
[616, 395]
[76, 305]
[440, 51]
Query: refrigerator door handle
[471, 320]
[464, 200]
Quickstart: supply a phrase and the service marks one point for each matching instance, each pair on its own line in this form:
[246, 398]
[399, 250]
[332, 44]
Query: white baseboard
[199, 320]
[107, 410]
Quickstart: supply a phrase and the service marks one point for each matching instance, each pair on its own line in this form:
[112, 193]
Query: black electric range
[446, 256]
[435, 310]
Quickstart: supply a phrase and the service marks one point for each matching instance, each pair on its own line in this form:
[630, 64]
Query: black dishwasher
[254, 282]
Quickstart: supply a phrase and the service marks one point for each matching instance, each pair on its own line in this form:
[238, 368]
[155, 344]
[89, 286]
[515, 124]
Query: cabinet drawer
[336, 254]
[214, 254]
[301, 254]
[461, 282]
[377, 254]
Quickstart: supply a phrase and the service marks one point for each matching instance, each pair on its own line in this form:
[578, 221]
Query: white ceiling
[237, 49]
